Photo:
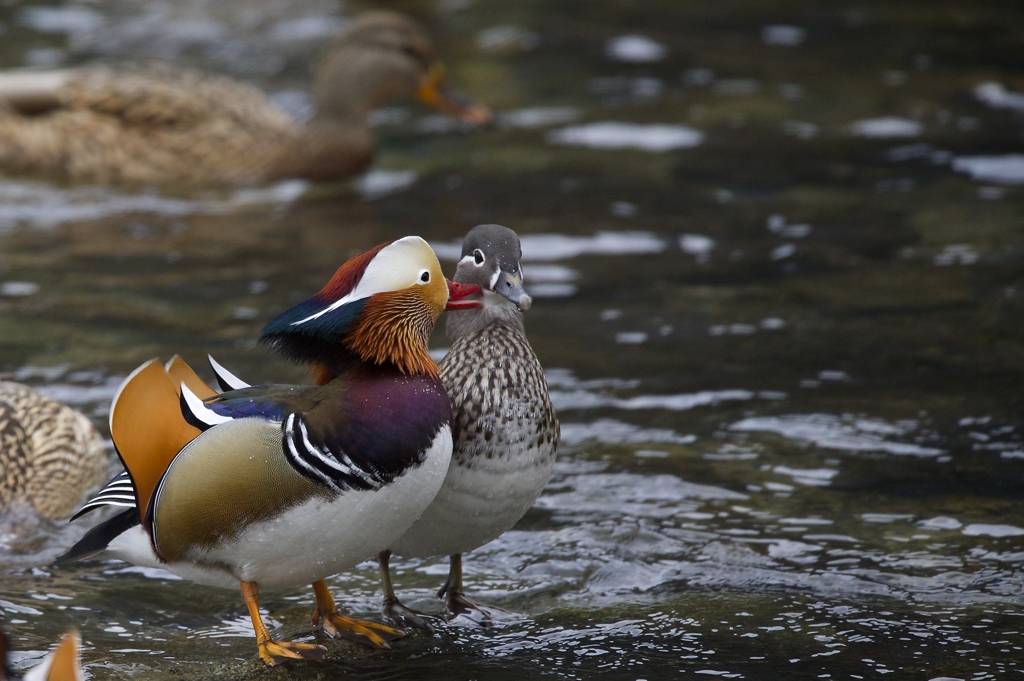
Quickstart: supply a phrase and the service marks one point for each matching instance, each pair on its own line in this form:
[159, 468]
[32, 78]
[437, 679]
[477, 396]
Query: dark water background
[777, 251]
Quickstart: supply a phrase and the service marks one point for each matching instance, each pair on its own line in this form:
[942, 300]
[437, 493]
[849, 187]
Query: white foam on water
[885, 518]
[957, 254]
[9, 607]
[632, 495]
[782, 252]
[805, 521]
[553, 290]
[549, 274]
[46, 206]
[18, 289]
[997, 96]
[886, 126]
[538, 117]
[615, 135]
[984, 530]
[379, 183]
[1005, 169]
[779, 34]
[308, 28]
[813, 477]
[682, 402]
[697, 245]
[940, 523]
[562, 247]
[61, 19]
[631, 338]
[577, 397]
[789, 549]
[610, 431]
[846, 433]
[636, 49]
[505, 38]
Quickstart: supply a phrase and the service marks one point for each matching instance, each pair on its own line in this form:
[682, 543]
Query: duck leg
[455, 600]
[337, 625]
[392, 608]
[275, 652]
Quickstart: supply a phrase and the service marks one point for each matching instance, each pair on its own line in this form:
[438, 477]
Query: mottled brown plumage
[50, 455]
[161, 125]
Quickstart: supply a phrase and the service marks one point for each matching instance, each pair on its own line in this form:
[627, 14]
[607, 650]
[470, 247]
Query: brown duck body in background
[161, 125]
[51, 456]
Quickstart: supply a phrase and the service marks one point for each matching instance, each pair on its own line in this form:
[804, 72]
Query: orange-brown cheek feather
[394, 327]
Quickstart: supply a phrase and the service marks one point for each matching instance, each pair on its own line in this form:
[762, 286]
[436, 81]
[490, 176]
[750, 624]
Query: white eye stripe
[387, 271]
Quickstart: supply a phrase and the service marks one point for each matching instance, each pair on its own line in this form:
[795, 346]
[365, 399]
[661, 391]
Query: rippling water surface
[778, 262]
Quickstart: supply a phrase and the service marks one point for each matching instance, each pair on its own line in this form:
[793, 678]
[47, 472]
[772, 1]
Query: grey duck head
[491, 256]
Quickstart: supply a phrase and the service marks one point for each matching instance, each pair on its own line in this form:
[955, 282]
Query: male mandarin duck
[277, 485]
[503, 425]
[63, 664]
[160, 125]
[51, 456]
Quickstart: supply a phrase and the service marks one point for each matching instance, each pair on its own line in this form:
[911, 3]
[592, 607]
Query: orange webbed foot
[276, 652]
[337, 625]
[364, 632]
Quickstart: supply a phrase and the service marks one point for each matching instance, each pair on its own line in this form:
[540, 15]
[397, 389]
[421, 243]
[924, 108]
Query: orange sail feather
[146, 423]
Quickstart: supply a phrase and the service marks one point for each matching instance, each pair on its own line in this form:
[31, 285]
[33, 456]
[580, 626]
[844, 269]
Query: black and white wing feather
[118, 492]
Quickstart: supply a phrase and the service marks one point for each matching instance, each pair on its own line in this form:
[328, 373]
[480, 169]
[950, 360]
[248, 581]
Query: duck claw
[364, 632]
[404, 616]
[277, 652]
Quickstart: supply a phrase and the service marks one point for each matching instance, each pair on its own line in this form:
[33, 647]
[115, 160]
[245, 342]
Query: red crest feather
[348, 275]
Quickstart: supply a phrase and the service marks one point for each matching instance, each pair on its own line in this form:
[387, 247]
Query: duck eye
[478, 257]
[425, 276]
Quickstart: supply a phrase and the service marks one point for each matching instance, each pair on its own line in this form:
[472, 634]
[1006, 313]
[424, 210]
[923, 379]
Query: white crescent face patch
[403, 263]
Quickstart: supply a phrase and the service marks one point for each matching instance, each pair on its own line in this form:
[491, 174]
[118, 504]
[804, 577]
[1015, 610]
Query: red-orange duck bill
[458, 295]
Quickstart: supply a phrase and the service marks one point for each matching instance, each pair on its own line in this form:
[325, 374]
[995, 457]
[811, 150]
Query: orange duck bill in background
[435, 92]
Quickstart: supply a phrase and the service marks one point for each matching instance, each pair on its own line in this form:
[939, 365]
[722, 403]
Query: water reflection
[44, 206]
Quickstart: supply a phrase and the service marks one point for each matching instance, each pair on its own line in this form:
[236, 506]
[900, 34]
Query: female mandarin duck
[51, 456]
[503, 425]
[161, 125]
[278, 485]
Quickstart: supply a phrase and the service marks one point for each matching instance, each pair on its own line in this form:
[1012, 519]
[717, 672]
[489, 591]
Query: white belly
[474, 506]
[312, 541]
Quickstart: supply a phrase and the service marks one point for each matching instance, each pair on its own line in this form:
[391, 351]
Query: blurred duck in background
[51, 456]
[158, 125]
[63, 664]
